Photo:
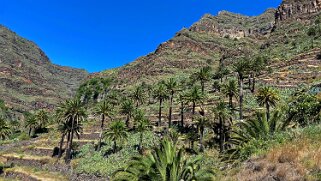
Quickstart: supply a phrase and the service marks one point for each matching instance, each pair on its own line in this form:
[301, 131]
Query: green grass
[92, 162]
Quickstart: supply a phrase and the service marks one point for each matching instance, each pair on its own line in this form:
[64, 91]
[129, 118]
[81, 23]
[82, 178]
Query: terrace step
[30, 174]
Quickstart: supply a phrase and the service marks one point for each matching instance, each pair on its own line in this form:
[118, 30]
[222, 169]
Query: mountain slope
[280, 35]
[28, 79]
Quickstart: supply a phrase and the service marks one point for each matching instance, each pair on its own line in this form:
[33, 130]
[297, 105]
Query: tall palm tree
[222, 114]
[182, 101]
[203, 75]
[241, 68]
[172, 87]
[116, 132]
[269, 97]
[230, 89]
[4, 129]
[138, 95]
[201, 123]
[194, 96]
[142, 124]
[104, 109]
[73, 113]
[160, 92]
[166, 163]
[127, 109]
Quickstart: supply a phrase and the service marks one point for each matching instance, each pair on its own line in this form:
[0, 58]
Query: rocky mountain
[28, 80]
[279, 34]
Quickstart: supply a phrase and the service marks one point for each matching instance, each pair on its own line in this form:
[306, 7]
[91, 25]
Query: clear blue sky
[102, 34]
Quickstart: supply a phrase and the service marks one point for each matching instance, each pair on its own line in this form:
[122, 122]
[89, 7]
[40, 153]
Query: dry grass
[297, 160]
[44, 159]
[37, 174]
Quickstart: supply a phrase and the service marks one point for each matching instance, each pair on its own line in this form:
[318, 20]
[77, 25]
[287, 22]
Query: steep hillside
[226, 35]
[28, 80]
[280, 35]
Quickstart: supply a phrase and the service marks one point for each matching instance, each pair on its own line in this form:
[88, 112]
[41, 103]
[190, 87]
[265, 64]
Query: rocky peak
[298, 9]
[228, 24]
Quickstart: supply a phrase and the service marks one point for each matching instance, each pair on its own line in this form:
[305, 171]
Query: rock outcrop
[298, 9]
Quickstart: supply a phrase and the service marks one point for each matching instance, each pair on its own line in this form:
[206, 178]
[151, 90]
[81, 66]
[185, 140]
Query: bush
[105, 162]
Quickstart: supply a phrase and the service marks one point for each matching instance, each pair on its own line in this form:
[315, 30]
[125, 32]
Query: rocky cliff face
[298, 9]
[28, 80]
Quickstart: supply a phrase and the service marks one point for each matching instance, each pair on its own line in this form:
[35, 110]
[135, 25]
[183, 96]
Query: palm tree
[256, 66]
[113, 97]
[138, 95]
[182, 101]
[203, 75]
[201, 123]
[116, 132]
[222, 113]
[268, 97]
[194, 96]
[72, 113]
[166, 163]
[160, 93]
[4, 129]
[104, 109]
[42, 118]
[221, 72]
[230, 89]
[142, 124]
[31, 123]
[241, 67]
[172, 86]
[127, 109]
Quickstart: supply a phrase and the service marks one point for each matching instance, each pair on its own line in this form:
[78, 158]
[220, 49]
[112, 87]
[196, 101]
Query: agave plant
[166, 163]
[258, 129]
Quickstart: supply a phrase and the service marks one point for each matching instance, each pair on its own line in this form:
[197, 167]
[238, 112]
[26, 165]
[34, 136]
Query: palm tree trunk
[68, 153]
[60, 145]
[182, 114]
[170, 111]
[140, 141]
[203, 86]
[201, 138]
[231, 102]
[194, 105]
[160, 112]
[101, 131]
[115, 146]
[221, 135]
[127, 120]
[29, 133]
[267, 111]
[241, 96]
[253, 83]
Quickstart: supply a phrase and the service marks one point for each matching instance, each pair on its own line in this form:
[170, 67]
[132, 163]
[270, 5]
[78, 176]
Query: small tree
[127, 109]
[116, 132]
[268, 97]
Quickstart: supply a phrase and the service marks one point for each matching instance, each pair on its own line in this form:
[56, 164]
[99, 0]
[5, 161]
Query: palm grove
[179, 111]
